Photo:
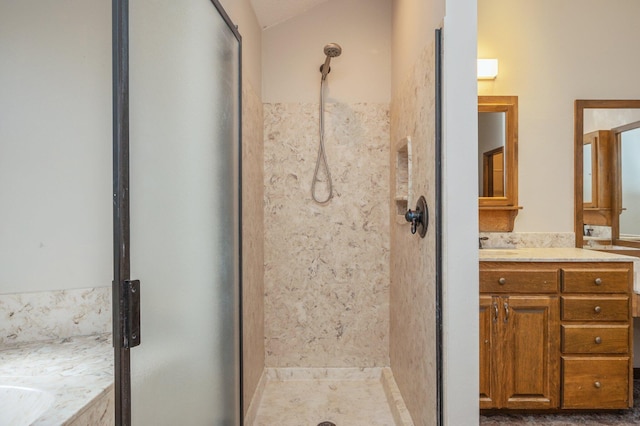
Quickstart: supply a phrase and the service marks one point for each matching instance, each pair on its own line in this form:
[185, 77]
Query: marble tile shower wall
[47, 315]
[413, 260]
[252, 241]
[326, 266]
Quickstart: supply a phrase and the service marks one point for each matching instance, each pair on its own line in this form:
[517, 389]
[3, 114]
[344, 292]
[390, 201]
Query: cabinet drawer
[595, 280]
[595, 382]
[598, 308]
[519, 281]
[600, 339]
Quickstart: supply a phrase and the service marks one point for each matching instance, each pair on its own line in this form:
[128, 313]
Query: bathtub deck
[307, 397]
[78, 371]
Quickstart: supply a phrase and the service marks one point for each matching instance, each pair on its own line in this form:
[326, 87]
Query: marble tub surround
[30, 317]
[527, 239]
[326, 266]
[344, 396]
[77, 371]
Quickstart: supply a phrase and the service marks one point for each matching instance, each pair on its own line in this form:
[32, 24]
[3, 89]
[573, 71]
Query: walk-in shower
[331, 50]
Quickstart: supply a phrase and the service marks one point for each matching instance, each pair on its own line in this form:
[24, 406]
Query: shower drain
[326, 424]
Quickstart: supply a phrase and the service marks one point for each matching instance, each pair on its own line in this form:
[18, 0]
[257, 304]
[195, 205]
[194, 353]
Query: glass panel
[184, 102]
[630, 215]
[587, 173]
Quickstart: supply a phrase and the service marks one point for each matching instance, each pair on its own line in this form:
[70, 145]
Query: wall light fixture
[487, 69]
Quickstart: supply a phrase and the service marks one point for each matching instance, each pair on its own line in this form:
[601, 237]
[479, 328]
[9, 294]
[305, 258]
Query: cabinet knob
[597, 385]
[598, 340]
[502, 281]
[597, 309]
[598, 281]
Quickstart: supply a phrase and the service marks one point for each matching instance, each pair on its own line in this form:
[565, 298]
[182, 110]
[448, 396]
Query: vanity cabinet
[597, 366]
[555, 335]
[519, 342]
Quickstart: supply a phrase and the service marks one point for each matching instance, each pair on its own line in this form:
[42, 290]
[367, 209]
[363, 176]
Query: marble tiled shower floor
[301, 397]
[613, 418]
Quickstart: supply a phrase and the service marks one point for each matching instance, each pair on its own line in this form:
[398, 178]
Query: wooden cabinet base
[556, 336]
[595, 382]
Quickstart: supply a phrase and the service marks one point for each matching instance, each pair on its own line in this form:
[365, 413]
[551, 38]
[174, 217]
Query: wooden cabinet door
[488, 345]
[529, 356]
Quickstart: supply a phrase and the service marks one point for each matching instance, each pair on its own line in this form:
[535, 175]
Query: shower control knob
[419, 218]
[414, 217]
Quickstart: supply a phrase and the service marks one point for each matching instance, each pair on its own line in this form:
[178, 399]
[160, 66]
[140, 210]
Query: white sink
[22, 406]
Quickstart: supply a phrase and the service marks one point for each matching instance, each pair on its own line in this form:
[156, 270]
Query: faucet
[480, 240]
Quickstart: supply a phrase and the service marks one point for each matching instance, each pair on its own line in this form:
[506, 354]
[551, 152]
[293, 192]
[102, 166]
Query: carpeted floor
[617, 418]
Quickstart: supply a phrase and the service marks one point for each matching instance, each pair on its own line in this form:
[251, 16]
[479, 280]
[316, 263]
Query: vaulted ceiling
[272, 12]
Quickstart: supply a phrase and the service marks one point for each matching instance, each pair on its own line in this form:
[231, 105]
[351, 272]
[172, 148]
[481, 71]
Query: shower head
[331, 50]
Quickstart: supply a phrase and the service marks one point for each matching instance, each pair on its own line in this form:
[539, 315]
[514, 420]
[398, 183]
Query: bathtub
[62, 382]
[21, 406]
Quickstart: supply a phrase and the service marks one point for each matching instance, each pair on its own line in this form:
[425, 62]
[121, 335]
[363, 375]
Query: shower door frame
[121, 214]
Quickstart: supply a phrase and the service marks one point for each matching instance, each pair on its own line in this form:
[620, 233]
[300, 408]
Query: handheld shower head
[331, 50]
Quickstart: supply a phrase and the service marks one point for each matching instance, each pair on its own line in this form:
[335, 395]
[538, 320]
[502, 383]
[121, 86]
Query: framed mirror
[497, 162]
[607, 185]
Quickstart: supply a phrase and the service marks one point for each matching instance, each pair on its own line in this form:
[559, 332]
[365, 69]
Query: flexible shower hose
[322, 155]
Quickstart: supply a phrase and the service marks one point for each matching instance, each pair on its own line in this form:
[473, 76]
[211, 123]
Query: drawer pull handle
[598, 281]
[502, 281]
[597, 309]
[597, 385]
[598, 340]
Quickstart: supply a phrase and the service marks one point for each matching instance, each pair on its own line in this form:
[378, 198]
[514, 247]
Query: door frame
[121, 216]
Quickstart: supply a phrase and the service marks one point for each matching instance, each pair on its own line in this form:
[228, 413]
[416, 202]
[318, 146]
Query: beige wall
[550, 54]
[55, 128]
[293, 53]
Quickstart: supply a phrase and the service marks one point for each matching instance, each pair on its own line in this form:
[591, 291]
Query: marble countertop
[551, 255]
[76, 370]
[560, 255]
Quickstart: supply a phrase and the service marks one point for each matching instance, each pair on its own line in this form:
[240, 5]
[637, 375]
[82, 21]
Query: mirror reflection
[497, 162]
[628, 142]
[609, 145]
[587, 171]
[491, 150]
[497, 151]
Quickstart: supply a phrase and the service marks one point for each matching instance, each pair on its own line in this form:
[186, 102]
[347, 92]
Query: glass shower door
[184, 189]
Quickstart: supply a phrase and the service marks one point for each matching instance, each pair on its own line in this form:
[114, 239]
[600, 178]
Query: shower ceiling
[272, 12]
